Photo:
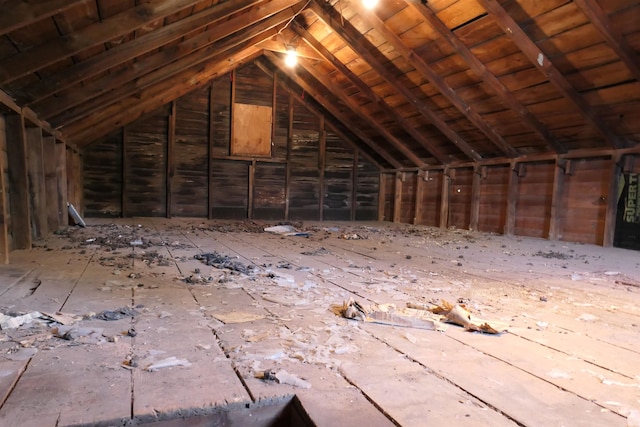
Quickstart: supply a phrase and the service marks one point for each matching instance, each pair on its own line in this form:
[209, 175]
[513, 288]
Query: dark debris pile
[220, 261]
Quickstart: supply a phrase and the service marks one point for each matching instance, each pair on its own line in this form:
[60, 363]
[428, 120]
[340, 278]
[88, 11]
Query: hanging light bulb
[369, 4]
[292, 57]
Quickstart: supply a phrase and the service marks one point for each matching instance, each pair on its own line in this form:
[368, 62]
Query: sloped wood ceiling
[417, 83]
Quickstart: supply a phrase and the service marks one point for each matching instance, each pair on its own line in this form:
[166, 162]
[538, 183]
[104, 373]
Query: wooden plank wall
[5, 208]
[493, 198]
[460, 198]
[179, 158]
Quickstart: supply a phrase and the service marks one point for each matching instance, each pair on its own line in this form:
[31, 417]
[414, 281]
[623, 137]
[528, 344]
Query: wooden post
[475, 197]
[354, 185]
[417, 210]
[555, 226]
[287, 180]
[444, 197]
[123, 200]
[322, 153]
[210, 157]
[170, 172]
[252, 186]
[512, 197]
[233, 102]
[18, 182]
[612, 201]
[51, 182]
[4, 213]
[397, 199]
[61, 179]
[382, 188]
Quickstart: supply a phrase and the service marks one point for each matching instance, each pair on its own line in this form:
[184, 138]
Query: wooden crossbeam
[487, 76]
[600, 20]
[546, 67]
[76, 73]
[92, 35]
[442, 86]
[363, 47]
[331, 108]
[27, 12]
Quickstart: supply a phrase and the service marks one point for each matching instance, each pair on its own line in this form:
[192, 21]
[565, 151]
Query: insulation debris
[119, 313]
[169, 362]
[286, 230]
[418, 316]
[220, 261]
[283, 377]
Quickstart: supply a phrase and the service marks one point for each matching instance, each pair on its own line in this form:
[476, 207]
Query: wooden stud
[61, 178]
[210, 188]
[612, 202]
[18, 182]
[512, 197]
[354, 185]
[382, 188]
[417, 209]
[4, 203]
[251, 190]
[556, 217]
[51, 182]
[397, 198]
[232, 104]
[123, 195]
[287, 180]
[447, 176]
[476, 182]
[322, 154]
[171, 170]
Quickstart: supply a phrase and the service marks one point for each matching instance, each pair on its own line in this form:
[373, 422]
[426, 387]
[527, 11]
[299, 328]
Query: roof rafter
[124, 52]
[488, 77]
[72, 105]
[129, 109]
[600, 20]
[26, 12]
[331, 108]
[546, 67]
[388, 110]
[362, 47]
[439, 83]
[92, 35]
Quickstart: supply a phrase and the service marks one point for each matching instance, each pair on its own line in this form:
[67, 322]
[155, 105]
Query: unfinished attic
[280, 212]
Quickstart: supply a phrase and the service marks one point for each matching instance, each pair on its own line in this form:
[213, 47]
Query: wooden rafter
[73, 104]
[118, 25]
[27, 12]
[374, 124]
[440, 84]
[546, 67]
[600, 20]
[366, 90]
[124, 52]
[488, 77]
[331, 108]
[362, 47]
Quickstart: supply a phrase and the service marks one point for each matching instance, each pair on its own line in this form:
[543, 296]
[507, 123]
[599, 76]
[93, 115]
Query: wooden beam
[445, 196]
[90, 36]
[287, 181]
[364, 89]
[487, 76]
[210, 192]
[354, 185]
[397, 197]
[25, 12]
[512, 198]
[129, 109]
[251, 189]
[364, 48]
[124, 162]
[546, 67]
[356, 109]
[612, 201]
[476, 183]
[312, 107]
[18, 181]
[171, 169]
[276, 45]
[77, 104]
[322, 156]
[441, 85]
[61, 178]
[4, 202]
[418, 206]
[556, 217]
[614, 38]
[331, 108]
[50, 182]
[116, 55]
[382, 195]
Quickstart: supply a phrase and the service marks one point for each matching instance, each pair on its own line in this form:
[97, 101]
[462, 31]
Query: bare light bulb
[292, 58]
[369, 4]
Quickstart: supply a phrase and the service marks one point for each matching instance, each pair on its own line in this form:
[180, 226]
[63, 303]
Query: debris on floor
[117, 314]
[12, 322]
[169, 362]
[220, 261]
[286, 230]
[283, 377]
[237, 317]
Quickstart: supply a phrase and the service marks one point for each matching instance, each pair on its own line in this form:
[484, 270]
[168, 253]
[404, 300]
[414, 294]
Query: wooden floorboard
[568, 358]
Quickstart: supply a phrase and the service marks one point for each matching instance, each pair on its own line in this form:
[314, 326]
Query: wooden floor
[570, 357]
